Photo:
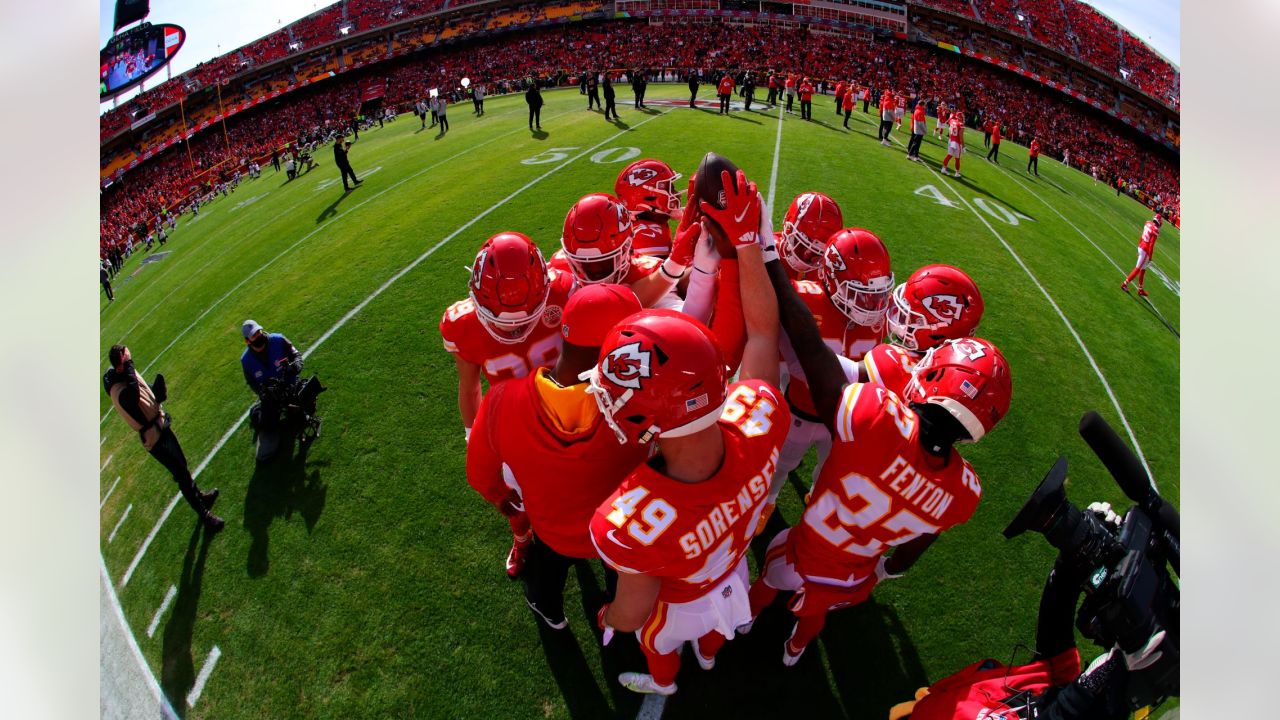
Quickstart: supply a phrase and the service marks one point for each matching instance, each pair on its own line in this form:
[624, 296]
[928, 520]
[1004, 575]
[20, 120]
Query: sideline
[128, 687]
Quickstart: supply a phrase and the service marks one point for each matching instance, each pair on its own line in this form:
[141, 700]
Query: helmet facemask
[865, 304]
[509, 328]
[591, 267]
[903, 322]
[801, 252]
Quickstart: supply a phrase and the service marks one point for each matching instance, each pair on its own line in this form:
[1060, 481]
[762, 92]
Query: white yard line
[105, 464]
[205, 671]
[1062, 316]
[110, 651]
[119, 522]
[164, 605]
[311, 234]
[1047, 204]
[109, 491]
[350, 314]
[777, 149]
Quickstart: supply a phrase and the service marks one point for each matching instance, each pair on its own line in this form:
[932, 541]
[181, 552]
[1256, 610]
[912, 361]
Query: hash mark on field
[203, 677]
[102, 442]
[120, 522]
[1115, 402]
[105, 464]
[137, 558]
[164, 605]
[109, 491]
[247, 202]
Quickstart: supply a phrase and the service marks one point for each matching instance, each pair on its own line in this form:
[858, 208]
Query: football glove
[740, 218]
[682, 251]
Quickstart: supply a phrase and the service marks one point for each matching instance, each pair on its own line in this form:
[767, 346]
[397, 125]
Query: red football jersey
[890, 366]
[1150, 233]
[465, 337]
[877, 489]
[692, 535]
[840, 333]
[650, 237]
[561, 476]
[957, 131]
[726, 85]
[642, 266]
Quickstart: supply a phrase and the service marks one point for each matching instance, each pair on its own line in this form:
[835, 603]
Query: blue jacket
[280, 353]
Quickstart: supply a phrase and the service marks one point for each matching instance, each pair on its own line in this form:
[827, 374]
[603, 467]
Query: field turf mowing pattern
[367, 581]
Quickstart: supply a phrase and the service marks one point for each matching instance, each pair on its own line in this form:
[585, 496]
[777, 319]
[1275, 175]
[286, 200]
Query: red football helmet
[969, 378]
[660, 373]
[857, 276]
[809, 223]
[509, 286]
[649, 186]
[1157, 220]
[937, 303]
[597, 239]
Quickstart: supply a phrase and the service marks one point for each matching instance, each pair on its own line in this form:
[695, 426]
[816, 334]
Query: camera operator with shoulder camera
[286, 404]
[1131, 609]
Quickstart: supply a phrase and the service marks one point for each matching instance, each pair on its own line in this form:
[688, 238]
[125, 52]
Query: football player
[1146, 248]
[955, 143]
[648, 189]
[540, 442]
[811, 220]
[597, 247]
[937, 303]
[849, 304]
[893, 479]
[507, 327]
[678, 528]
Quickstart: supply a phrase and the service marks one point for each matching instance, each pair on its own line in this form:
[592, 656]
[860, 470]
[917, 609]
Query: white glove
[1104, 511]
[768, 246]
[882, 573]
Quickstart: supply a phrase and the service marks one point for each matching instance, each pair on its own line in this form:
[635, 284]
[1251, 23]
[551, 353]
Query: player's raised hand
[689, 215]
[740, 218]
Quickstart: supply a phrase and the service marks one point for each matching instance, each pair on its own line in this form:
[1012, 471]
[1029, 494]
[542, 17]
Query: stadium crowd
[1077, 30]
[1026, 108]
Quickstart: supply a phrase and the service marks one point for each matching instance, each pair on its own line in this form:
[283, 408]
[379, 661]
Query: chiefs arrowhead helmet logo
[640, 176]
[624, 216]
[835, 261]
[627, 365]
[944, 307]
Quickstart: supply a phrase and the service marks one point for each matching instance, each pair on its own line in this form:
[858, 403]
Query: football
[708, 187]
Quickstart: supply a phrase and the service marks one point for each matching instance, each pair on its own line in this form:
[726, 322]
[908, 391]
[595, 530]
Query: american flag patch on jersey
[696, 403]
[969, 389]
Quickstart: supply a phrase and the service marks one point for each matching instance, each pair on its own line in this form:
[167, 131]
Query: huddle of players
[613, 431]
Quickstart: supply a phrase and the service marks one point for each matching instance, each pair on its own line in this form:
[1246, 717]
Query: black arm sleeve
[1055, 626]
[821, 366]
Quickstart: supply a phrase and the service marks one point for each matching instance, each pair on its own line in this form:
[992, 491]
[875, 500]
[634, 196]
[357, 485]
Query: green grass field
[367, 581]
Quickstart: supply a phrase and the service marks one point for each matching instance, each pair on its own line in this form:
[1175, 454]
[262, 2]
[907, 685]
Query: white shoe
[558, 624]
[643, 683]
[788, 658]
[957, 173]
[943, 171]
[706, 663]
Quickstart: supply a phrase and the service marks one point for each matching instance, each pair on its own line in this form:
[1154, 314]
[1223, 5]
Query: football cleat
[1143, 293]
[1124, 286]
[516, 558]
[789, 656]
[643, 683]
[209, 498]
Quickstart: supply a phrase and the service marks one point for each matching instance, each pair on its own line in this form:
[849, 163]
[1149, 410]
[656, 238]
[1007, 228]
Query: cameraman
[1051, 687]
[269, 359]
